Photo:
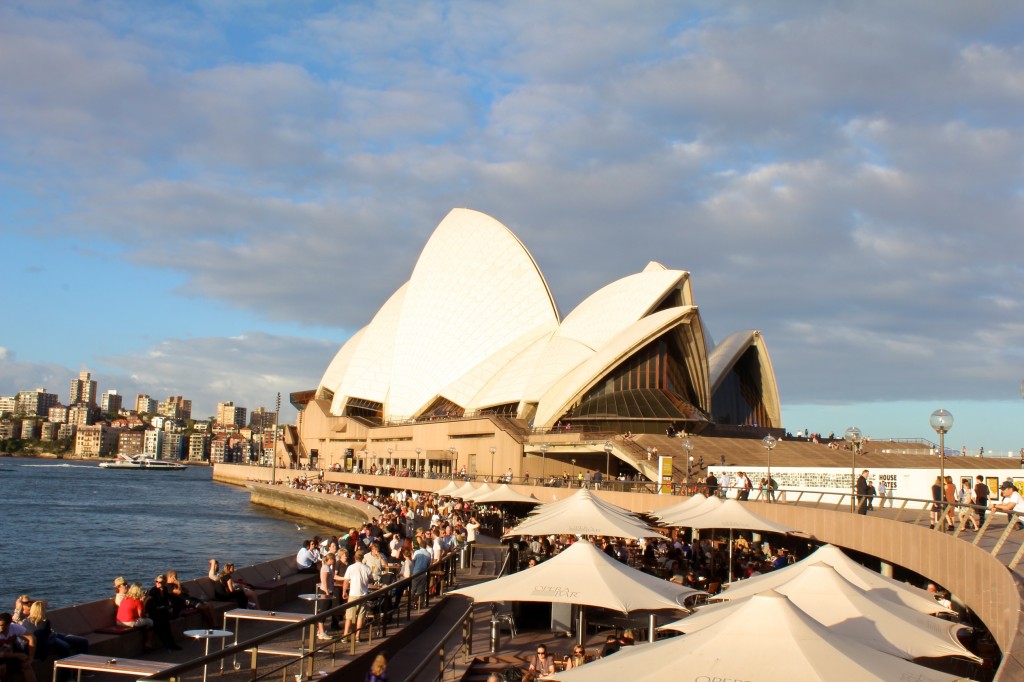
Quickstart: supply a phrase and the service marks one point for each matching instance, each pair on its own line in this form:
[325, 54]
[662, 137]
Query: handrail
[447, 562]
[465, 622]
[918, 511]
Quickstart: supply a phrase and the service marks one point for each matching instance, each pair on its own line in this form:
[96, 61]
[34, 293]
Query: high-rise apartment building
[83, 390]
[145, 404]
[111, 402]
[35, 403]
[229, 415]
[8, 404]
[57, 414]
[173, 446]
[82, 415]
[175, 407]
[260, 419]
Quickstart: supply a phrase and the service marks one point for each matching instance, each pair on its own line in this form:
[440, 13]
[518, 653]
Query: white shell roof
[730, 350]
[477, 325]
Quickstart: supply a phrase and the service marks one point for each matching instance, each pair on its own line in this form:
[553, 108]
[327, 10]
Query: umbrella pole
[730, 555]
[581, 623]
[650, 630]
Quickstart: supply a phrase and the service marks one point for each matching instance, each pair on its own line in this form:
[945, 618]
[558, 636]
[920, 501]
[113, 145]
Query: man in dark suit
[862, 493]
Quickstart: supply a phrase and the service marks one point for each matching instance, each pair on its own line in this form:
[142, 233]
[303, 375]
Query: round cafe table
[206, 636]
[316, 598]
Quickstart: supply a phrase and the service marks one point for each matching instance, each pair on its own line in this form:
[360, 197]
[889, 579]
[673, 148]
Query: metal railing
[995, 535]
[444, 569]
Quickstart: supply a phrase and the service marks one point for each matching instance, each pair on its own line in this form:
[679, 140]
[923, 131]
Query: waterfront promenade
[973, 566]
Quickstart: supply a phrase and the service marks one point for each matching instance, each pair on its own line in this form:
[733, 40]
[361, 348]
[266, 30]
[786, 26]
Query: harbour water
[68, 528]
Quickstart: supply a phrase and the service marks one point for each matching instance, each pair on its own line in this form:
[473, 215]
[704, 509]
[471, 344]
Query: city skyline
[209, 200]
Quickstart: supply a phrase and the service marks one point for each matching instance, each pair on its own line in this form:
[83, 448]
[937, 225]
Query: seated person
[16, 648]
[160, 608]
[611, 645]
[577, 658]
[120, 589]
[182, 600]
[306, 559]
[542, 663]
[1010, 501]
[131, 613]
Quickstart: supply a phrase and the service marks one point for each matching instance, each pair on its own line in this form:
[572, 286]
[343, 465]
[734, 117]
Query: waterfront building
[131, 442]
[153, 440]
[34, 403]
[260, 419]
[97, 440]
[67, 431]
[8, 404]
[10, 429]
[29, 429]
[57, 414]
[173, 446]
[83, 390]
[475, 335]
[48, 431]
[198, 447]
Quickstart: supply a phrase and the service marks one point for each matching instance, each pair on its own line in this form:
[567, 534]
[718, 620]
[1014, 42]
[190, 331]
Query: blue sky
[208, 198]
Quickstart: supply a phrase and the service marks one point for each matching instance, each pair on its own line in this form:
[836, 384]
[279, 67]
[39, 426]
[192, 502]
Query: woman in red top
[131, 613]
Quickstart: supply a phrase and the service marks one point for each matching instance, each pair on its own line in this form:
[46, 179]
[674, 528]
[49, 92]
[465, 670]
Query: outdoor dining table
[107, 664]
[206, 636]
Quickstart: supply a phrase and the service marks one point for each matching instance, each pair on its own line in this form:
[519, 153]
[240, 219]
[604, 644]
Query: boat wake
[49, 466]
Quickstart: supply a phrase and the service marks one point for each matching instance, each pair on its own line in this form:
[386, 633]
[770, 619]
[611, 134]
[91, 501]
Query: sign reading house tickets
[665, 472]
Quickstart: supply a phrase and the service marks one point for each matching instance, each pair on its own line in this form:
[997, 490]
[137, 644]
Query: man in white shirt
[1011, 501]
[305, 559]
[357, 581]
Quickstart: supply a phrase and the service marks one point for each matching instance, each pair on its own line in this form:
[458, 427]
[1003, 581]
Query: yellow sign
[665, 471]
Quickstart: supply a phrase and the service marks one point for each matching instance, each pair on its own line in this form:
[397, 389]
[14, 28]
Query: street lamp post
[608, 459]
[494, 450]
[453, 452]
[852, 436]
[543, 460]
[573, 471]
[688, 447]
[391, 461]
[769, 444]
[942, 421]
[417, 467]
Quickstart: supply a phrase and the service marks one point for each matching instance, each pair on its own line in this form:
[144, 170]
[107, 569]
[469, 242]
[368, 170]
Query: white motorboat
[146, 462]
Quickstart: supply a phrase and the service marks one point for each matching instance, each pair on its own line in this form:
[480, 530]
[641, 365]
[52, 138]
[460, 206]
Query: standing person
[883, 493]
[326, 587]
[950, 496]
[966, 499]
[711, 483]
[862, 493]
[981, 497]
[356, 584]
[871, 495]
[936, 514]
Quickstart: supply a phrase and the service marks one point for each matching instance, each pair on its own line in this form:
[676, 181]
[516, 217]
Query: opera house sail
[476, 331]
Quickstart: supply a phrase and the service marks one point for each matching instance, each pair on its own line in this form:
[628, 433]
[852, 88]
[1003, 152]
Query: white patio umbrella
[583, 574]
[860, 576]
[448, 489]
[583, 515]
[768, 639]
[505, 493]
[683, 507]
[679, 517]
[827, 597]
[582, 496]
[466, 489]
[733, 515]
[484, 489]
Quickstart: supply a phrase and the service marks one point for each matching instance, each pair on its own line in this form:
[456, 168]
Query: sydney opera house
[475, 334]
